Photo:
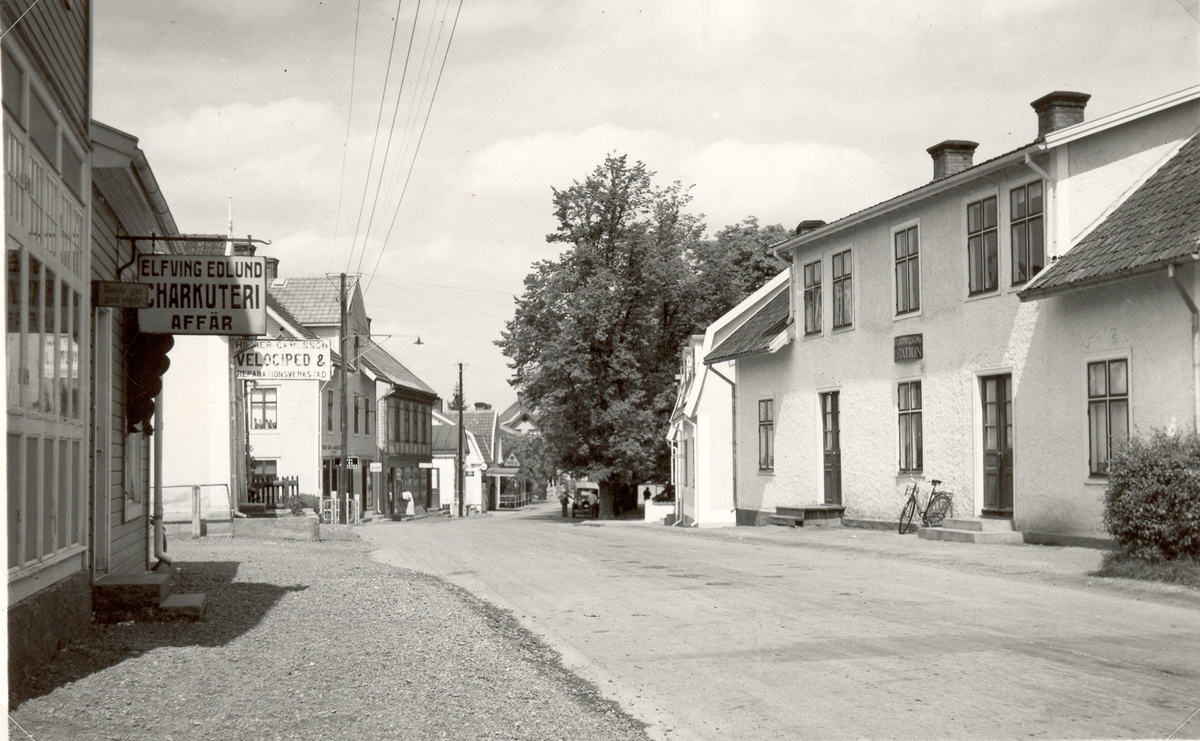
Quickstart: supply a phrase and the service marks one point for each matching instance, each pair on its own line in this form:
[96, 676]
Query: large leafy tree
[595, 334]
[595, 338]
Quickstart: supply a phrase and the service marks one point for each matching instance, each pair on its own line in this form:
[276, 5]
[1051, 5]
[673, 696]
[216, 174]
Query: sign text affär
[204, 294]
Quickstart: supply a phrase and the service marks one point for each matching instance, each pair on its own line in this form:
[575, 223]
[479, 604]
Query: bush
[1152, 506]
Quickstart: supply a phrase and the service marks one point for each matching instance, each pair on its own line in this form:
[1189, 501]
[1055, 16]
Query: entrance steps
[817, 515]
[144, 596]
[973, 530]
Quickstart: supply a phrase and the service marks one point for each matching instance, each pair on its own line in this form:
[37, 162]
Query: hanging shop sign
[909, 347]
[119, 295]
[204, 294]
[376, 467]
[295, 360]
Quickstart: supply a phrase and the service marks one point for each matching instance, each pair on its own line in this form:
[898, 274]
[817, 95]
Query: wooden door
[832, 447]
[996, 392]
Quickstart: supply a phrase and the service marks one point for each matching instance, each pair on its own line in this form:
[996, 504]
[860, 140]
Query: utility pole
[460, 481]
[343, 478]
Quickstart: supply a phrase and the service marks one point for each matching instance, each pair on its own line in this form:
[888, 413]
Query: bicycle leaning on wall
[939, 507]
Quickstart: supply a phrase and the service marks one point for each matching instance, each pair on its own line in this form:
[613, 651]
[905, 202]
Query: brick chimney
[272, 268]
[1058, 110]
[952, 157]
[808, 225]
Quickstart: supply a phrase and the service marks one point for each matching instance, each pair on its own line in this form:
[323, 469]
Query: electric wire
[2, 35]
[391, 133]
[417, 149]
[346, 142]
[375, 140]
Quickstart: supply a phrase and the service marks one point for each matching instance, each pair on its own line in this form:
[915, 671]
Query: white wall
[295, 444]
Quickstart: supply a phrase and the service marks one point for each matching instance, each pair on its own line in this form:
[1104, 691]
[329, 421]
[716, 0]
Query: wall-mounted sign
[120, 295]
[425, 464]
[909, 347]
[376, 467]
[297, 360]
[204, 294]
[352, 462]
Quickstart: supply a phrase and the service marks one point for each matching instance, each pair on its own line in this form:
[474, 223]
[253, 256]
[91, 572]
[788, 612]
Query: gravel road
[313, 641]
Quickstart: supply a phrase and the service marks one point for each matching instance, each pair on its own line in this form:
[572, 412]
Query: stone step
[1010, 536]
[978, 524]
[117, 593]
[183, 606]
[786, 520]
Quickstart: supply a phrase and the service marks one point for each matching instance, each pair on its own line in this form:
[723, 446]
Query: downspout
[733, 435]
[160, 543]
[1187, 299]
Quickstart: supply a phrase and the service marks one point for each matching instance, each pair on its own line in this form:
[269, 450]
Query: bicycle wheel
[906, 515]
[940, 507]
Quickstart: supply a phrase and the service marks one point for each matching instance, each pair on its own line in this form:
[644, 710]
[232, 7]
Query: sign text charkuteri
[204, 294]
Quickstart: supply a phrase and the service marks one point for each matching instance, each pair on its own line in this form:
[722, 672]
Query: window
[983, 259]
[266, 468]
[47, 327]
[766, 435]
[1108, 411]
[370, 415]
[357, 403]
[908, 270]
[1028, 240]
[393, 423]
[812, 298]
[843, 291]
[911, 444]
[264, 409]
[329, 410]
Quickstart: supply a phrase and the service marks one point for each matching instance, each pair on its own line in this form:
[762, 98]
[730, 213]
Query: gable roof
[482, 422]
[313, 301]
[393, 370]
[285, 318]
[758, 335]
[1157, 225]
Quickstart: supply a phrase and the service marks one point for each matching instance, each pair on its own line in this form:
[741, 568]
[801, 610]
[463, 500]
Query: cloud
[777, 182]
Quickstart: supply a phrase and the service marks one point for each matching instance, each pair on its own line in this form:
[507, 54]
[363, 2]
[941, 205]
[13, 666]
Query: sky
[418, 143]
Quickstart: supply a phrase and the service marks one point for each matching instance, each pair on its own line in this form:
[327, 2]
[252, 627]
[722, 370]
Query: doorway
[832, 445]
[996, 394]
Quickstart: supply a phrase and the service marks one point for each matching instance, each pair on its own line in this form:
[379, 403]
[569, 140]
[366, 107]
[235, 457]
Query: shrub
[1152, 506]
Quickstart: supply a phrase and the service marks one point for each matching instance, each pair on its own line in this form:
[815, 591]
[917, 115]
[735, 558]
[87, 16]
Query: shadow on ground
[233, 608]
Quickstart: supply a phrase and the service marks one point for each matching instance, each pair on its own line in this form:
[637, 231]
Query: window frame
[1024, 222]
[842, 293]
[910, 448]
[811, 284]
[912, 262]
[1106, 399]
[766, 434]
[986, 253]
[259, 402]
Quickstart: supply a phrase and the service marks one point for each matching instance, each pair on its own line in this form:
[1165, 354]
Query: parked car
[585, 500]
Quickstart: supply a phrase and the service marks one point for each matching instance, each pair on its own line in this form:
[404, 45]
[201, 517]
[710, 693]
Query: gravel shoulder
[313, 641]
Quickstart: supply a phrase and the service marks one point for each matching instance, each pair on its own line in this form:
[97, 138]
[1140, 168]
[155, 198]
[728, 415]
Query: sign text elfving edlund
[204, 294]
[299, 360]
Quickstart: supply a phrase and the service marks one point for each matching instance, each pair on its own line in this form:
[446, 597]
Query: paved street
[838, 633]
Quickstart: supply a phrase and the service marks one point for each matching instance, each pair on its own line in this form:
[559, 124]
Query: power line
[346, 142]
[391, 133]
[2, 35]
[375, 140]
[417, 150]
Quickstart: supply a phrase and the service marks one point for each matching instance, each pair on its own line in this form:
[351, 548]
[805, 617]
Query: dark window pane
[914, 285]
[1118, 380]
[42, 130]
[14, 500]
[901, 245]
[72, 170]
[1097, 380]
[974, 220]
[1037, 251]
[992, 261]
[989, 213]
[14, 80]
[1017, 203]
[1020, 265]
[1035, 197]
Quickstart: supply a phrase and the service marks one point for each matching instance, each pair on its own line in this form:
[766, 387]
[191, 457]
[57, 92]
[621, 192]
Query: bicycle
[939, 507]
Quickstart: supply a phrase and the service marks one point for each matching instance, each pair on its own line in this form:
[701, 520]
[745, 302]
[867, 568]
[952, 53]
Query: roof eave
[1034, 293]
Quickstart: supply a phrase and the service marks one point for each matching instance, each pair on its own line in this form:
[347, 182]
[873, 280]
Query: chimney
[808, 225]
[482, 406]
[952, 157]
[272, 268]
[1058, 110]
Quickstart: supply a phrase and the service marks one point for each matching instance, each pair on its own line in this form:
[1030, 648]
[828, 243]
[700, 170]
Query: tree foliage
[595, 338]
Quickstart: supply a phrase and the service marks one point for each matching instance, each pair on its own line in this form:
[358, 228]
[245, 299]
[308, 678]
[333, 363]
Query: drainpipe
[1187, 299]
[160, 543]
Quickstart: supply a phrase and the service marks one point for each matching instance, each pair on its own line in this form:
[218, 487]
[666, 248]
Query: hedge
[1152, 506]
